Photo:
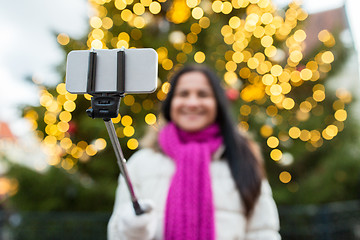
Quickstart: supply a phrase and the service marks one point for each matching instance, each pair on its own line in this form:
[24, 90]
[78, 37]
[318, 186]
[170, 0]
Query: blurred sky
[29, 48]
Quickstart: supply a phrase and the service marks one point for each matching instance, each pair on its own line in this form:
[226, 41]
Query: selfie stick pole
[106, 106]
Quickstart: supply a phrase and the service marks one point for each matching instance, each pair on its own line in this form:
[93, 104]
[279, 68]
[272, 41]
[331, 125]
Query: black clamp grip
[105, 107]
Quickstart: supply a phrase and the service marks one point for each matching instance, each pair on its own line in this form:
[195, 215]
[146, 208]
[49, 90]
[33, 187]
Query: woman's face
[193, 106]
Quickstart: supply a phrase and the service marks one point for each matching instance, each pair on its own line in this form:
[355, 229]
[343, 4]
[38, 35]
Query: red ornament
[232, 94]
[72, 128]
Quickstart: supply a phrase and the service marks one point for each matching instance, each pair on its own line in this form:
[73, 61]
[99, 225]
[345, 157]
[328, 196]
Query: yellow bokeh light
[107, 23]
[120, 4]
[77, 152]
[199, 57]
[65, 116]
[95, 22]
[259, 31]
[49, 118]
[266, 18]
[245, 110]
[63, 126]
[296, 56]
[305, 106]
[340, 115]
[66, 143]
[226, 31]
[306, 74]
[162, 53]
[315, 135]
[319, 95]
[124, 36]
[276, 154]
[165, 87]
[126, 15]
[261, 3]
[305, 135]
[126, 120]
[227, 8]
[150, 119]
[70, 96]
[96, 44]
[331, 130]
[204, 22]
[139, 22]
[300, 35]
[100, 144]
[197, 13]
[272, 142]
[288, 103]
[238, 57]
[217, 6]
[192, 3]
[132, 144]
[324, 35]
[138, 9]
[128, 131]
[230, 78]
[286, 87]
[155, 7]
[82, 145]
[268, 79]
[117, 119]
[129, 100]
[327, 57]
[179, 12]
[69, 106]
[97, 34]
[167, 64]
[267, 41]
[91, 150]
[266, 130]
[122, 43]
[275, 90]
[276, 70]
[294, 132]
[146, 3]
[253, 63]
[272, 110]
[50, 140]
[87, 96]
[285, 177]
[234, 22]
[63, 39]
[231, 66]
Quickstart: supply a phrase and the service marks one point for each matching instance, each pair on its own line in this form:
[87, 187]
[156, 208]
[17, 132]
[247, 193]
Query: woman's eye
[182, 94]
[204, 94]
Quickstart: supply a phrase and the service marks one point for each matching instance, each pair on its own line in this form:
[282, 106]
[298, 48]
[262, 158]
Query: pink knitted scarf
[189, 208]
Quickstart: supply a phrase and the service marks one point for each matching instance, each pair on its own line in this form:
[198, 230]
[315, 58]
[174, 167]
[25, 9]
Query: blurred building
[25, 151]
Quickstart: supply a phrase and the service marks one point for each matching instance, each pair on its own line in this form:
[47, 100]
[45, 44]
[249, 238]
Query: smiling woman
[204, 180]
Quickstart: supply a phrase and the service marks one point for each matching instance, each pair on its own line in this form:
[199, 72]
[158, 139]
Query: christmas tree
[278, 94]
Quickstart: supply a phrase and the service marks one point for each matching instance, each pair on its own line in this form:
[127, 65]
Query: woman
[202, 180]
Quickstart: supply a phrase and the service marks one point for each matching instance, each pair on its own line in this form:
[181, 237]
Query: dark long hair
[246, 168]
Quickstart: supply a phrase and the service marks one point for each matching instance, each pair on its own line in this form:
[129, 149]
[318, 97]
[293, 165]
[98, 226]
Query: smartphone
[141, 70]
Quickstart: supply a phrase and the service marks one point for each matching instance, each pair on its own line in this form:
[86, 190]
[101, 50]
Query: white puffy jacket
[151, 173]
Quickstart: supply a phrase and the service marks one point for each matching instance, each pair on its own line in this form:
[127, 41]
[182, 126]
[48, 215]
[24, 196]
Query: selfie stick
[106, 106]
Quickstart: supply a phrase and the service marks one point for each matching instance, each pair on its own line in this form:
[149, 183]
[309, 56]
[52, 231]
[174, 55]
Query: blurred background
[290, 70]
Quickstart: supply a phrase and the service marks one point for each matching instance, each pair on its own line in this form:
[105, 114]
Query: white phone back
[140, 70]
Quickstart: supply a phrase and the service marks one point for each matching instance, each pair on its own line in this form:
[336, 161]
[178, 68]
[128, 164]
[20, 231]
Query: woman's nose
[192, 100]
